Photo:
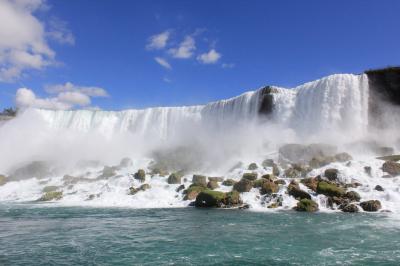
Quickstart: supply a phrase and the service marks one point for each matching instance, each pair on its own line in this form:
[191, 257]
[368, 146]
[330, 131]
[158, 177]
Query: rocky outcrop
[140, 175]
[269, 187]
[252, 166]
[192, 192]
[266, 100]
[199, 180]
[174, 178]
[229, 182]
[331, 174]
[144, 187]
[330, 189]
[350, 208]
[295, 191]
[244, 185]
[210, 198]
[52, 195]
[212, 185]
[250, 176]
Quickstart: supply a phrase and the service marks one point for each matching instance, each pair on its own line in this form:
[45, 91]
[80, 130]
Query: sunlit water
[33, 234]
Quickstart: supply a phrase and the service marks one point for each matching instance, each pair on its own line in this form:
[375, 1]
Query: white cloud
[158, 41]
[23, 43]
[163, 62]
[228, 65]
[167, 80]
[69, 87]
[211, 57]
[185, 49]
[59, 31]
[66, 96]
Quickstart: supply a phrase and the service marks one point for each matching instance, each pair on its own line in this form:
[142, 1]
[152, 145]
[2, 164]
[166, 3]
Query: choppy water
[40, 235]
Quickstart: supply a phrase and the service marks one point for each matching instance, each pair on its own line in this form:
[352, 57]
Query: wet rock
[212, 185]
[392, 158]
[174, 178]
[229, 182]
[295, 191]
[391, 168]
[297, 153]
[192, 192]
[108, 171]
[210, 198]
[297, 171]
[181, 187]
[268, 163]
[306, 205]
[252, 166]
[320, 161]
[350, 208]
[144, 187]
[268, 177]
[126, 162]
[160, 171]
[329, 189]
[250, 176]
[50, 189]
[352, 195]
[38, 169]
[379, 188]
[310, 182]
[280, 182]
[199, 180]
[343, 157]
[244, 185]
[269, 188]
[275, 170]
[216, 179]
[244, 207]
[368, 170]
[371, 205]
[331, 174]
[259, 182]
[52, 195]
[140, 175]
[3, 180]
[353, 185]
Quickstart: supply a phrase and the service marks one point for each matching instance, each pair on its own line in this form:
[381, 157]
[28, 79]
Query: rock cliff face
[266, 104]
[384, 87]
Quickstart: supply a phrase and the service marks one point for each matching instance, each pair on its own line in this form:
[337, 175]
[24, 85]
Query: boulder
[199, 180]
[52, 195]
[371, 205]
[280, 182]
[295, 191]
[275, 170]
[268, 163]
[250, 176]
[212, 185]
[160, 171]
[192, 192]
[259, 182]
[216, 179]
[181, 187]
[391, 168]
[269, 188]
[350, 208]
[252, 166]
[343, 157]
[140, 175]
[310, 182]
[210, 198]
[3, 180]
[379, 188]
[144, 187]
[331, 174]
[320, 161]
[329, 189]
[126, 162]
[306, 205]
[174, 178]
[229, 182]
[244, 185]
[38, 169]
[368, 170]
[108, 171]
[352, 195]
[268, 177]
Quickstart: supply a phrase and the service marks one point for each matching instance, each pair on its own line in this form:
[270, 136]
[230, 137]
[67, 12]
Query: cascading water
[333, 110]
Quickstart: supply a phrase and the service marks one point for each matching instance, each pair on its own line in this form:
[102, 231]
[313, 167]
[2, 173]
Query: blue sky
[100, 53]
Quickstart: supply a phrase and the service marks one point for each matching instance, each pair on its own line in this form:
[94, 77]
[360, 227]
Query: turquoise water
[40, 235]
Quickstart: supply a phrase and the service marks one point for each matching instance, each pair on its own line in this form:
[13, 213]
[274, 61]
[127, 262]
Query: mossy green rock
[306, 205]
[250, 176]
[199, 180]
[52, 195]
[140, 175]
[174, 178]
[209, 198]
[192, 192]
[329, 189]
